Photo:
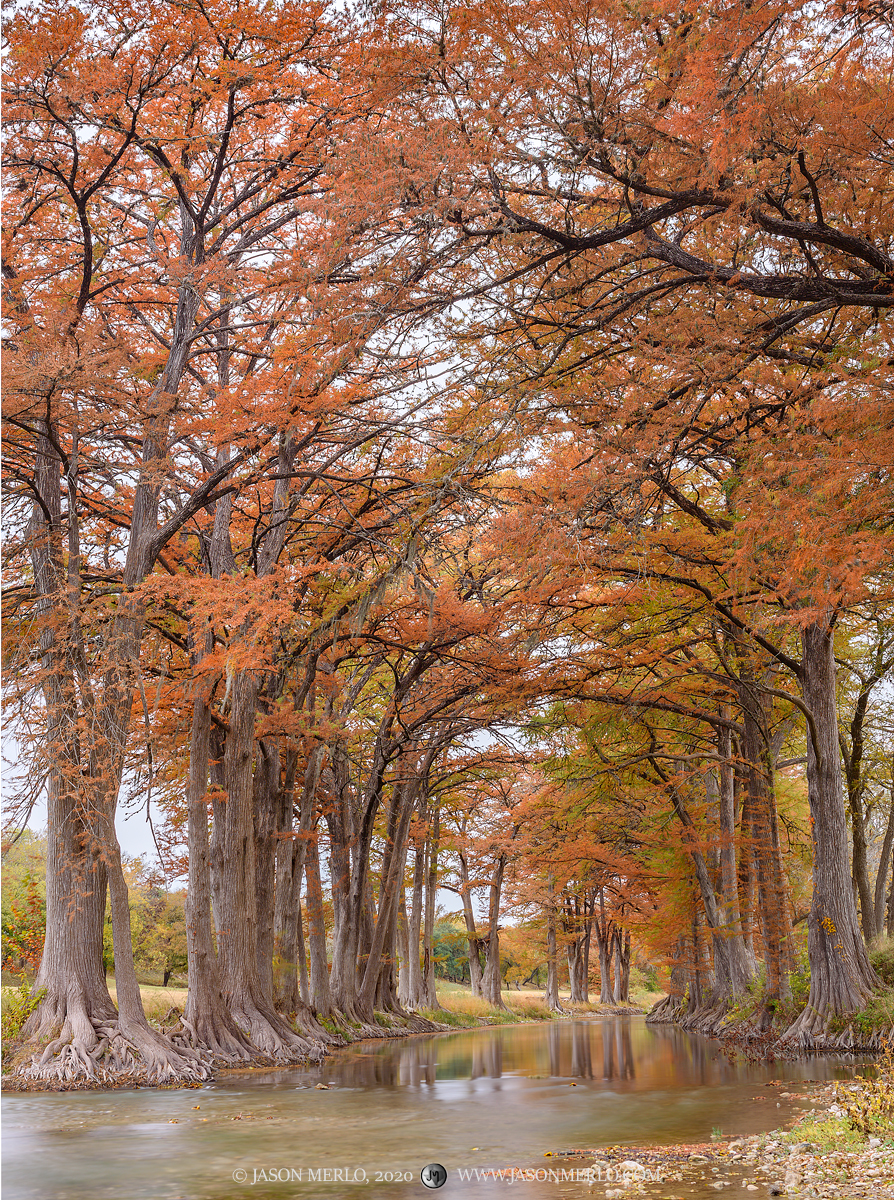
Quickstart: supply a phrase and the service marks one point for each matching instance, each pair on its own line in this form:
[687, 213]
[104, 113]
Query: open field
[456, 998]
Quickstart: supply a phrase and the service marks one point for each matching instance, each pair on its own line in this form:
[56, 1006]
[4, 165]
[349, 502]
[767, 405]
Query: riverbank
[466, 1012]
[476, 1099]
[819, 1154]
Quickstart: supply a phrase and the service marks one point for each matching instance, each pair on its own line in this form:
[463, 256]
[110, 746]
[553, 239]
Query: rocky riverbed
[819, 1155]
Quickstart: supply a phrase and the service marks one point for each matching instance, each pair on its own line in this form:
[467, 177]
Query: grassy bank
[463, 1010]
[459, 1009]
[842, 1147]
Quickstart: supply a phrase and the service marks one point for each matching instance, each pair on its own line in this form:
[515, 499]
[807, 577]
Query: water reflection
[484, 1098]
[620, 1051]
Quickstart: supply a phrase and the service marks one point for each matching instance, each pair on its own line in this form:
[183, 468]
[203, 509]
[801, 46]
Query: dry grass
[157, 1001]
[527, 1001]
[524, 1004]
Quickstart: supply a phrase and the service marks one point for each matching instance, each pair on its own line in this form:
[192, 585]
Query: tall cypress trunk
[286, 918]
[883, 867]
[552, 962]
[433, 843]
[841, 977]
[320, 998]
[266, 789]
[741, 961]
[761, 809]
[414, 921]
[491, 982]
[475, 972]
[287, 893]
[71, 966]
[391, 881]
[404, 998]
[352, 933]
[249, 1003]
[604, 944]
[618, 989]
[206, 1018]
[625, 968]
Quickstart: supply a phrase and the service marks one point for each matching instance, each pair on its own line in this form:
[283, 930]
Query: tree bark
[433, 842]
[491, 981]
[841, 977]
[250, 1005]
[206, 1017]
[475, 971]
[320, 998]
[882, 873]
[760, 805]
[266, 787]
[552, 963]
[287, 898]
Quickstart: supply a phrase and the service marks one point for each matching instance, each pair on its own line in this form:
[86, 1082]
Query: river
[472, 1100]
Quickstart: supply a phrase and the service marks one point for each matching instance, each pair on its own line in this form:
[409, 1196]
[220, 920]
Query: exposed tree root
[270, 1036]
[812, 1032]
[107, 1053]
[666, 1011]
[385, 1025]
[221, 1038]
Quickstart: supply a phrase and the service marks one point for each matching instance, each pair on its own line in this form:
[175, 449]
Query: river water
[478, 1099]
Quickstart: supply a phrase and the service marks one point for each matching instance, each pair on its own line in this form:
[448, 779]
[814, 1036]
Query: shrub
[871, 1108]
[882, 959]
[18, 1005]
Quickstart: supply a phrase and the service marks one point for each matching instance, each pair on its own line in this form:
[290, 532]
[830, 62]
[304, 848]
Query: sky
[133, 827]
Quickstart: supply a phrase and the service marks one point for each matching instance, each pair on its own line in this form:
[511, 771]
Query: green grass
[156, 1000]
[827, 1134]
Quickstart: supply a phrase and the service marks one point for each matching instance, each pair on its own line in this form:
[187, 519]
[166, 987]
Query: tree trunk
[491, 982]
[429, 993]
[625, 969]
[320, 998]
[605, 968]
[882, 873]
[266, 788]
[351, 939]
[71, 968]
[303, 977]
[552, 963]
[761, 809]
[475, 972]
[206, 1019]
[403, 955]
[414, 926]
[287, 907]
[391, 881]
[841, 977]
[618, 989]
[242, 986]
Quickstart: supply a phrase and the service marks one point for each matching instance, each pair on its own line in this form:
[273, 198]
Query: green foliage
[157, 929]
[160, 934]
[24, 902]
[800, 980]
[878, 1014]
[643, 979]
[18, 1005]
[457, 1020]
[882, 959]
[870, 1109]
[24, 926]
[450, 948]
[827, 1134]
